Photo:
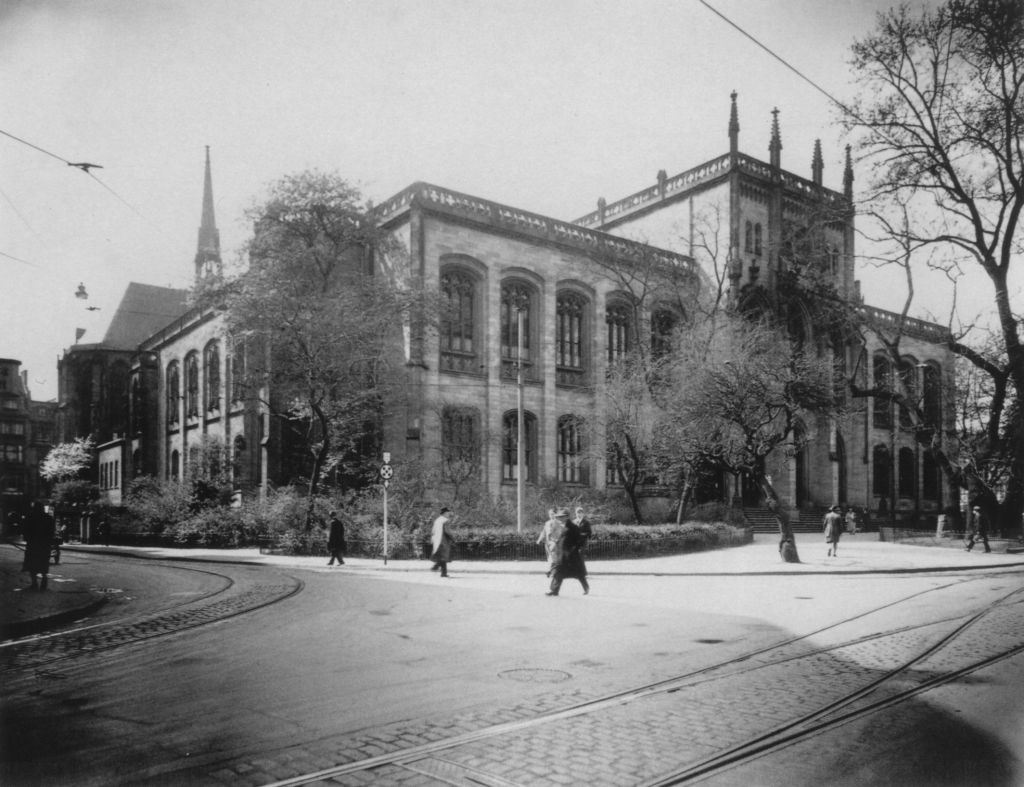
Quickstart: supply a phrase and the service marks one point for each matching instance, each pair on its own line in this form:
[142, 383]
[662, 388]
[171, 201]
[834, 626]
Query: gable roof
[144, 310]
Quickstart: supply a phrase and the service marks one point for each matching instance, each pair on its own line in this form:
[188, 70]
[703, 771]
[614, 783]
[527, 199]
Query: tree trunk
[319, 459]
[787, 543]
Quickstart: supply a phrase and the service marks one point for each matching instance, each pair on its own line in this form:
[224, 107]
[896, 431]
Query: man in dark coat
[39, 533]
[336, 540]
[569, 562]
[979, 530]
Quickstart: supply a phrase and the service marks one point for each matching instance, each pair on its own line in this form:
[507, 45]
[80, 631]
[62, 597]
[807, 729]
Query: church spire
[208, 260]
[734, 127]
[848, 175]
[817, 164]
[775, 146]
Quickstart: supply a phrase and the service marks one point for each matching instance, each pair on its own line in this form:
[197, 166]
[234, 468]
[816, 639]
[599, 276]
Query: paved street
[389, 674]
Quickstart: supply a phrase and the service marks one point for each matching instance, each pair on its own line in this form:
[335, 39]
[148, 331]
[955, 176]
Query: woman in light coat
[549, 536]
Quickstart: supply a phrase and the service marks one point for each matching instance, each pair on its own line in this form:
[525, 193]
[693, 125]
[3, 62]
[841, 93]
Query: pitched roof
[144, 310]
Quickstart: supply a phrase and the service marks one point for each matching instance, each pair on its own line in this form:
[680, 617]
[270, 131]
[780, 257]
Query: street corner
[25, 611]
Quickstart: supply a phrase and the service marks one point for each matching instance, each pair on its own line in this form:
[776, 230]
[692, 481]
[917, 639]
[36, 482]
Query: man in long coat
[569, 561]
[336, 540]
[441, 542]
[39, 533]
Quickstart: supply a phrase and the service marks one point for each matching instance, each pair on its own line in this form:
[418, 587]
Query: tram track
[835, 712]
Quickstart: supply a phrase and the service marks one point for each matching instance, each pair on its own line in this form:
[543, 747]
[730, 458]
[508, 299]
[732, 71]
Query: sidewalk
[23, 612]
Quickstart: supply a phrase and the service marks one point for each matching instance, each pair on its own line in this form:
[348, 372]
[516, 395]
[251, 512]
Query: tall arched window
[211, 376]
[881, 374]
[748, 237]
[757, 239]
[516, 297]
[239, 461]
[931, 477]
[458, 322]
[572, 466]
[620, 335]
[191, 385]
[175, 468]
[908, 473]
[137, 405]
[173, 393]
[932, 384]
[460, 443]
[908, 376]
[238, 368]
[881, 471]
[663, 324]
[509, 446]
[570, 343]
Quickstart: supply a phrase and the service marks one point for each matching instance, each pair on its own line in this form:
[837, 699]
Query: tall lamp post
[520, 449]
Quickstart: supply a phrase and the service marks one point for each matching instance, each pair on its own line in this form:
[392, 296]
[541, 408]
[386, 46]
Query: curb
[23, 628]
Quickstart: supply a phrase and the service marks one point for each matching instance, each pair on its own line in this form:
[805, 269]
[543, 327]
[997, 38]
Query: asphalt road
[316, 667]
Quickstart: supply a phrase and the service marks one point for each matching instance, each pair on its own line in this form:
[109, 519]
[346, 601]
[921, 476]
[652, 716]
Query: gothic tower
[208, 262]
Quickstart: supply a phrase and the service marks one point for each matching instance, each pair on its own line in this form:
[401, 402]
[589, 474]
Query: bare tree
[323, 330]
[940, 119]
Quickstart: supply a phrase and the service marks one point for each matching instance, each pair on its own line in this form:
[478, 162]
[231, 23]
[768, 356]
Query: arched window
[932, 396]
[908, 473]
[173, 393]
[460, 443]
[458, 322]
[931, 477]
[757, 239]
[570, 342]
[175, 464]
[881, 471]
[238, 369]
[191, 385]
[620, 335]
[663, 324]
[136, 463]
[239, 461]
[516, 297]
[572, 467]
[137, 406]
[881, 369]
[510, 443]
[748, 238]
[908, 376]
[211, 375]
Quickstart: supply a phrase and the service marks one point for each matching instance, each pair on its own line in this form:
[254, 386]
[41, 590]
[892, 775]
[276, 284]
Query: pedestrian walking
[833, 529]
[39, 532]
[979, 530]
[549, 536]
[586, 531]
[569, 562]
[336, 545]
[851, 520]
[441, 542]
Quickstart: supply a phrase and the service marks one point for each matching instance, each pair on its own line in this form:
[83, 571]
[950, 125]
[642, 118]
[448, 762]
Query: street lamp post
[520, 450]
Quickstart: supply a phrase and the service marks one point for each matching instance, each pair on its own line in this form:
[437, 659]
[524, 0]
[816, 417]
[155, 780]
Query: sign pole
[387, 472]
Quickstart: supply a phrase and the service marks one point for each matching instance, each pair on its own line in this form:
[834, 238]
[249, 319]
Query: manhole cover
[707, 641]
[535, 675]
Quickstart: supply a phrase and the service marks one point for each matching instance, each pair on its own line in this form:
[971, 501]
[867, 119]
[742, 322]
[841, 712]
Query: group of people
[564, 539]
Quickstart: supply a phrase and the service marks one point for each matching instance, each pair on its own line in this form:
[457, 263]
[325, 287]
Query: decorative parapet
[911, 326]
[703, 173]
[706, 173]
[494, 214]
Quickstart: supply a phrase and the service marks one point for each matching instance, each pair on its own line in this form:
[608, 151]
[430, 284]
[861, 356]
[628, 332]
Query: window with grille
[510, 443]
[570, 346]
[458, 322]
[572, 466]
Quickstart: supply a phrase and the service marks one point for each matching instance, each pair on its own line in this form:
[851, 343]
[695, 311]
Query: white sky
[545, 105]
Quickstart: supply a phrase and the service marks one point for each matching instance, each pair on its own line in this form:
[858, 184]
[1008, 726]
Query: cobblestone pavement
[246, 590]
[627, 742]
